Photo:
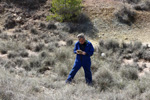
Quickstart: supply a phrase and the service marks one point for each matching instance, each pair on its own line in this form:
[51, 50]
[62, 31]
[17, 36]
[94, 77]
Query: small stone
[126, 38]
[103, 54]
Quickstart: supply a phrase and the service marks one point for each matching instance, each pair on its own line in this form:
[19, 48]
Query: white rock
[18, 19]
[103, 54]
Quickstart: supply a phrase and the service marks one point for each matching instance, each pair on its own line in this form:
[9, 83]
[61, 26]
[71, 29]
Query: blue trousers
[87, 70]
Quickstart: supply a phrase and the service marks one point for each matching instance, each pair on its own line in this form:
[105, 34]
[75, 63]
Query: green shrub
[65, 10]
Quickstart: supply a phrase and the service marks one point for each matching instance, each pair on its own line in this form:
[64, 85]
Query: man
[83, 50]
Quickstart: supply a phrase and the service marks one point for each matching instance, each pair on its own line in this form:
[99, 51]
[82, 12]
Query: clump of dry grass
[12, 54]
[129, 72]
[30, 4]
[34, 31]
[126, 15]
[69, 42]
[143, 6]
[103, 79]
[39, 47]
[132, 1]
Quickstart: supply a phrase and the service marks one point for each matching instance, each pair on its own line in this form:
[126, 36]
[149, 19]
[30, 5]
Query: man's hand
[79, 51]
[83, 53]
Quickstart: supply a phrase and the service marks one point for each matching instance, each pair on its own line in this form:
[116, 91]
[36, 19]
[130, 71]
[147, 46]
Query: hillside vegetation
[36, 55]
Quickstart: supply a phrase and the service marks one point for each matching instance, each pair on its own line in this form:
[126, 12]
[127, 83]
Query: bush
[12, 54]
[82, 18]
[3, 50]
[137, 45]
[49, 61]
[23, 53]
[43, 69]
[109, 44]
[69, 42]
[35, 62]
[34, 31]
[26, 66]
[9, 64]
[39, 47]
[43, 54]
[6, 95]
[51, 26]
[32, 4]
[125, 15]
[42, 25]
[146, 55]
[62, 69]
[62, 54]
[144, 6]
[103, 79]
[51, 47]
[18, 61]
[65, 10]
[132, 1]
[129, 72]
[10, 23]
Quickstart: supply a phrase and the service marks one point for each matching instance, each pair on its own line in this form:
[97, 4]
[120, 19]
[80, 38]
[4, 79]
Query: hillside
[36, 55]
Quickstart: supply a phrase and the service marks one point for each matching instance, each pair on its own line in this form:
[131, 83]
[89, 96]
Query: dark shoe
[89, 83]
[67, 82]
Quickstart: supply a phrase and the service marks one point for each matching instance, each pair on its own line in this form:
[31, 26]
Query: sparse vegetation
[69, 42]
[36, 56]
[132, 1]
[51, 26]
[34, 31]
[143, 6]
[129, 72]
[49, 59]
[31, 4]
[39, 47]
[103, 79]
[126, 15]
[12, 54]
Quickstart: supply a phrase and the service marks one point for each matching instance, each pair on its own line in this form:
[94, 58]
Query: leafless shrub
[129, 72]
[144, 6]
[125, 15]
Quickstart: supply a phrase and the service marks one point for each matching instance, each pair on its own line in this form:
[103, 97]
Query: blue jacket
[89, 49]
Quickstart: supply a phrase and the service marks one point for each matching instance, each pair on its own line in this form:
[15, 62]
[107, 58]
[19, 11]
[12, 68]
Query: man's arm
[75, 48]
[90, 52]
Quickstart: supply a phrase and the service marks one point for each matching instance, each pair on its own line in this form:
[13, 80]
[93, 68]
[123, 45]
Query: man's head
[81, 38]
